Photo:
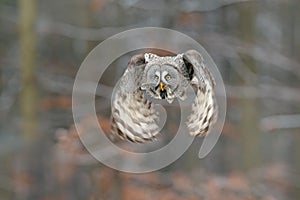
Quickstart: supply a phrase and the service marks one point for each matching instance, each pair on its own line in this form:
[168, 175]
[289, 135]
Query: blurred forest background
[255, 44]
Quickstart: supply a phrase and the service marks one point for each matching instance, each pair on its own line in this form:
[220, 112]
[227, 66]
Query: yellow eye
[156, 77]
[168, 77]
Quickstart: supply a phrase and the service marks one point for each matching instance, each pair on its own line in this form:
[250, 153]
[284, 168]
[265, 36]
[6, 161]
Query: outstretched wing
[132, 116]
[204, 109]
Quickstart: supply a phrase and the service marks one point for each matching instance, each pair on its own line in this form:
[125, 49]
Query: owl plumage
[133, 117]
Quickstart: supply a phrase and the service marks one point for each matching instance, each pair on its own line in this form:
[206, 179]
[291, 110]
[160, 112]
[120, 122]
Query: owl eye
[156, 77]
[167, 77]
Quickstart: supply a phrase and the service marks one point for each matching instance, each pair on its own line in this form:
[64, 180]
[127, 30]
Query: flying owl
[166, 78]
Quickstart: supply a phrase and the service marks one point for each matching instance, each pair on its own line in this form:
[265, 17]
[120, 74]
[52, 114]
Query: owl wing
[204, 109]
[132, 115]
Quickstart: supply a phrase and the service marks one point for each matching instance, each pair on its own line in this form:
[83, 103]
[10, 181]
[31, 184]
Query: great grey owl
[133, 117]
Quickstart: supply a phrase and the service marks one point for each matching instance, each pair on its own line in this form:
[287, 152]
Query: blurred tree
[28, 98]
[249, 106]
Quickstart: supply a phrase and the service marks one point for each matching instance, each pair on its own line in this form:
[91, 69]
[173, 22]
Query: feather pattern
[204, 109]
[133, 117]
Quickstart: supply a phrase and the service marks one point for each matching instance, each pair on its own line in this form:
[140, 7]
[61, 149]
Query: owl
[165, 78]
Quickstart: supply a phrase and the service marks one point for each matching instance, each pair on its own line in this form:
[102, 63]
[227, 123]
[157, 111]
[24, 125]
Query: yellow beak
[162, 86]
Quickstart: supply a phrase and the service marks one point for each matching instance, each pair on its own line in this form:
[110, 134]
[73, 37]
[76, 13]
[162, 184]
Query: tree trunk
[249, 107]
[28, 100]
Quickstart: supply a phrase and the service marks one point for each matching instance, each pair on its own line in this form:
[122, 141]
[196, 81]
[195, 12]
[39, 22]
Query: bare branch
[280, 122]
[263, 91]
[48, 26]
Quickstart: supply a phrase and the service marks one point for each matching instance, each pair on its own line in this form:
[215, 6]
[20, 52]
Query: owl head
[163, 77]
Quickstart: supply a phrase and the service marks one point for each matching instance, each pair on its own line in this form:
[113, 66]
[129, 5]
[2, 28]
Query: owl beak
[162, 86]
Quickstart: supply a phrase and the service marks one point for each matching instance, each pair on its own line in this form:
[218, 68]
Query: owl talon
[170, 101]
